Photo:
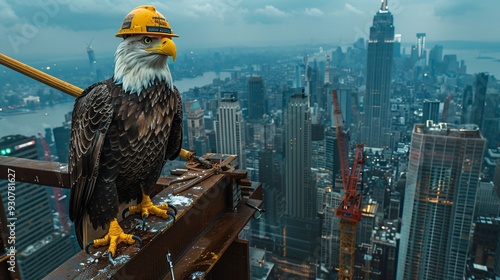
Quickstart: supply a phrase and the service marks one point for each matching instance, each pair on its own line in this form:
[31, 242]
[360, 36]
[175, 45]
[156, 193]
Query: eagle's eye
[147, 40]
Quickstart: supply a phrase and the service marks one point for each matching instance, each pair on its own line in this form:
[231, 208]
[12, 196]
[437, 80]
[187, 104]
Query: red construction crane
[349, 210]
[58, 195]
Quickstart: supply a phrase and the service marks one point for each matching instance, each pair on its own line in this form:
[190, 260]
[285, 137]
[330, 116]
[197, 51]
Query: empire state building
[375, 131]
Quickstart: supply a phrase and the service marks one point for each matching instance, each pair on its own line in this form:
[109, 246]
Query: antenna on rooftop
[92, 61]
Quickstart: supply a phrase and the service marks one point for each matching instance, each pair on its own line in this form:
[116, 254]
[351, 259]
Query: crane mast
[349, 210]
[58, 195]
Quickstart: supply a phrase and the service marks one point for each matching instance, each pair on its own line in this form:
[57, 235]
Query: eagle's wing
[92, 115]
[175, 137]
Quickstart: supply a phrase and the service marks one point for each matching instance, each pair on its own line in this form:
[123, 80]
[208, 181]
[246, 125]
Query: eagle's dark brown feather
[119, 144]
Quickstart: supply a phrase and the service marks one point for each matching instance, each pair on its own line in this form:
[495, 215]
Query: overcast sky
[65, 27]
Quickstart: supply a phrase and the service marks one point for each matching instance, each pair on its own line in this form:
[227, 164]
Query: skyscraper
[256, 98]
[92, 62]
[435, 59]
[300, 196]
[375, 131]
[301, 229]
[477, 114]
[420, 44]
[195, 122]
[330, 231]
[332, 152]
[421, 53]
[397, 45]
[466, 105]
[318, 152]
[230, 128]
[431, 110]
[61, 138]
[441, 186]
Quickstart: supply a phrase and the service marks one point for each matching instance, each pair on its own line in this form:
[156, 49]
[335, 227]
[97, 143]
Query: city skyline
[62, 27]
[419, 193]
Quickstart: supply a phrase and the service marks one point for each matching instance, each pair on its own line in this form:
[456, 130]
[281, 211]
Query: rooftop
[447, 129]
[386, 234]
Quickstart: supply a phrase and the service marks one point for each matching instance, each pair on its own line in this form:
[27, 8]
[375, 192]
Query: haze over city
[62, 27]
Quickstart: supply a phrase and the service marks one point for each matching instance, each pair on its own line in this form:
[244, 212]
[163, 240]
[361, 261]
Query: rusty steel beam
[149, 262]
[47, 173]
[234, 263]
[204, 223]
[204, 254]
[205, 219]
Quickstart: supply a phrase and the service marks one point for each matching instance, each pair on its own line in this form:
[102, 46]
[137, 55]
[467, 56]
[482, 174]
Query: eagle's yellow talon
[163, 206]
[146, 207]
[114, 237]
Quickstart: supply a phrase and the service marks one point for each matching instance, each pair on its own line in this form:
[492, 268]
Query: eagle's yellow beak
[166, 47]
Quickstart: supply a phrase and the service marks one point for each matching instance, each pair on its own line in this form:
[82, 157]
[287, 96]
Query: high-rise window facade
[230, 129]
[441, 186]
[375, 131]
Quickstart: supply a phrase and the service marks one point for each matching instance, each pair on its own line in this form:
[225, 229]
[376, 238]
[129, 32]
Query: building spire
[384, 5]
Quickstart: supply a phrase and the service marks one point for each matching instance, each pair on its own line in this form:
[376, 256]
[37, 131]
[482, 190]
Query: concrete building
[256, 98]
[230, 128]
[300, 194]
[431, 110]
[318, 149]
[435, 60]
[441, 186]
[466, 105]
[330, 231]
[195, 122]
[485, 241]
[478, 105]
[331, 153]
[487, 202]
[421, 45]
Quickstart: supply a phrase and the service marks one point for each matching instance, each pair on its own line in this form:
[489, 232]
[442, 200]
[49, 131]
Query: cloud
[351, 8]
[6, 13]
[100, 7]
[453, 9]
[347, 10]
[207, 9]
[65, 14]
[268, 15]
[270, 11]
[57, 26]
[215, 9]
[314, 12]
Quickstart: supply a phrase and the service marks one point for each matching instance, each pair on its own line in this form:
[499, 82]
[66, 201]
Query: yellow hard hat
[145, 20]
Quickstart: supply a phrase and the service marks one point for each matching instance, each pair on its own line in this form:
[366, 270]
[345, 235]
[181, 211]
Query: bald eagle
[123, 131]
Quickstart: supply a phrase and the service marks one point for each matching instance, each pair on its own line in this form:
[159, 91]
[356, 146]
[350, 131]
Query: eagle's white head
[140, 59]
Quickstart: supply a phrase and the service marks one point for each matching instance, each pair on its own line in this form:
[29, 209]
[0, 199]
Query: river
[32, 123]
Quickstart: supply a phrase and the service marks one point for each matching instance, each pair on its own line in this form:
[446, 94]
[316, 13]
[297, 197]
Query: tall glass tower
[375, 131]
[256, 98]
[230, 128]
[441, 186]
[300, 195]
